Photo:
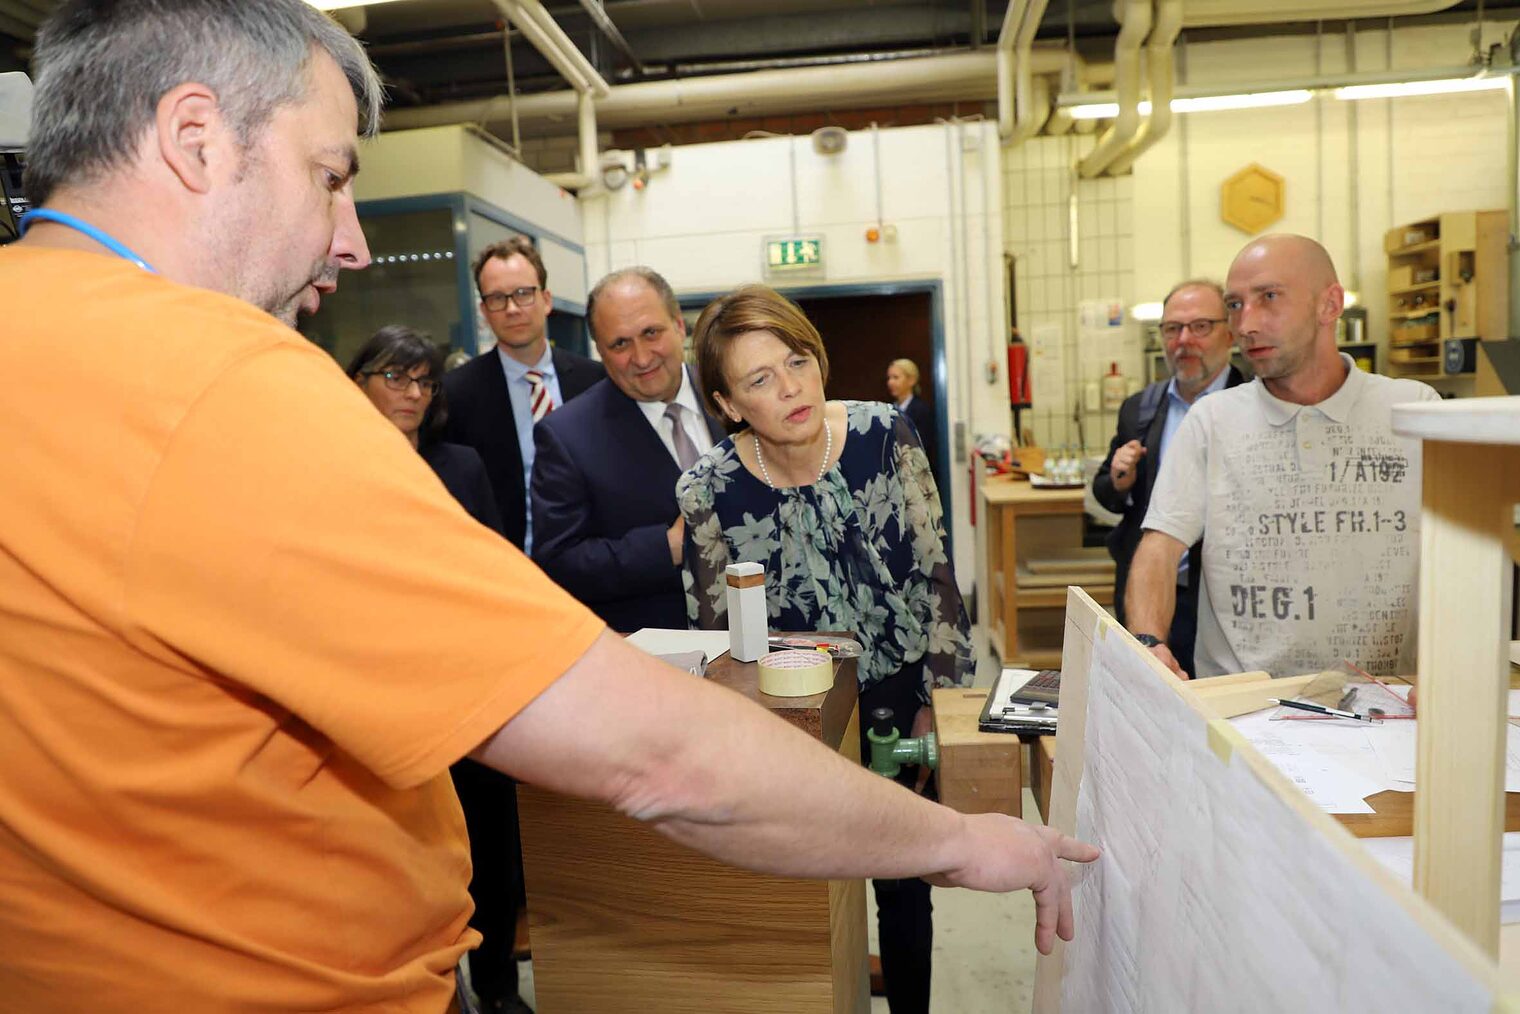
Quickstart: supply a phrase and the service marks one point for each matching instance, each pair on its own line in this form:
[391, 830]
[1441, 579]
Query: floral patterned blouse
[862, 549]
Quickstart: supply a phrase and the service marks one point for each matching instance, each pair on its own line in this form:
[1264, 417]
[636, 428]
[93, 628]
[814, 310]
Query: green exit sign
[794, 255]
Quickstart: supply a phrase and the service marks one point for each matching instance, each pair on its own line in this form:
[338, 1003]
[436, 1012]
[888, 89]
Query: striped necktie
[540, 398]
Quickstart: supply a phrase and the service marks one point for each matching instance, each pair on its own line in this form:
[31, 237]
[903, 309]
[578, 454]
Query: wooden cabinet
[1448, 279]
[1034, 551]
[624, 919]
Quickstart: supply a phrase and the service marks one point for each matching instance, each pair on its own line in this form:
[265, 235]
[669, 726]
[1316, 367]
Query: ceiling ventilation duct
[1207, 13]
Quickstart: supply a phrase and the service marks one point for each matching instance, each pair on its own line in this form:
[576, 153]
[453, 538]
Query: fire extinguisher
[1018, 381]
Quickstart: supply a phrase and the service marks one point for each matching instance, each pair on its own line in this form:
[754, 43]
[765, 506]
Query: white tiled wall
[1051, 286]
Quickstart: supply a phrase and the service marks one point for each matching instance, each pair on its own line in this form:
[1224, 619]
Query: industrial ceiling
[434, 53]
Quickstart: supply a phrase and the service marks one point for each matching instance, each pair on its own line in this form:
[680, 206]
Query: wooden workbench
[1034, 551]
[624, 919]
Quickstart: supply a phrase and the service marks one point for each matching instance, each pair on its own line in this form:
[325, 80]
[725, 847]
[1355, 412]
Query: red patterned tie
[540, 398]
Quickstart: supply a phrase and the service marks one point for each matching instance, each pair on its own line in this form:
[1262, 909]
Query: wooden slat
[1243, 693]
[1464, 679]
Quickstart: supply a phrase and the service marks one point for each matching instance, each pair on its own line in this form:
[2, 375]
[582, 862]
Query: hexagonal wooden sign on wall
[1252, 199]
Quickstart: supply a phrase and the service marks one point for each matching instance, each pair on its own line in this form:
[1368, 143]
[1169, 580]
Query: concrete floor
[983, 944]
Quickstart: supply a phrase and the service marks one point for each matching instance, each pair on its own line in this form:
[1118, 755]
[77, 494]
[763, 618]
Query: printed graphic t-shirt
[1310, 516]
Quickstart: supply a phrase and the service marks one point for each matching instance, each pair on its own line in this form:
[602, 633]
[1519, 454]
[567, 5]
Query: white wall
[702, 222]
[1139, 235]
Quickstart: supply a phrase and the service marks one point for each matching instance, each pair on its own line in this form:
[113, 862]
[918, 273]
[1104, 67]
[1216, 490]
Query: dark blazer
[1137, 500]
[480, 416]
[604, 492]
[464, 476]
[922, 417]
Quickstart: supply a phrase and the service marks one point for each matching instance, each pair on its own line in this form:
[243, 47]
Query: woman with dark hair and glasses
[400, 370]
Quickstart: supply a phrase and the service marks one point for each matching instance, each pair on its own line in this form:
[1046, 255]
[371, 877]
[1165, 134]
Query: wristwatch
[1149, 640]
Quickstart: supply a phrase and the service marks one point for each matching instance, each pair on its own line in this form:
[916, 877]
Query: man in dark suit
[1197, 345]
[495, 398]
[605, 521]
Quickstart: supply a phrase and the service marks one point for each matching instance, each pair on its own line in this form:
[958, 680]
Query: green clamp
[890, 752]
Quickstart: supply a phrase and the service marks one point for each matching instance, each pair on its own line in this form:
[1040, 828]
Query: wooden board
[1336, 947]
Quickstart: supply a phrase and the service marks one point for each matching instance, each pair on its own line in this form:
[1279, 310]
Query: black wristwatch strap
[1149, 640]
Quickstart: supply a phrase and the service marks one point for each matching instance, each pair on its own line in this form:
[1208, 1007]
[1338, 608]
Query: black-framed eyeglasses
[497, 301]
[400, 380]
[1200, 327]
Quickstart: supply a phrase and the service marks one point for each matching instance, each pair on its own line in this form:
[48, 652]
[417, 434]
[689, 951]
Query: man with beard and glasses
[1196, 341]
[1307, 502]
[244, 630]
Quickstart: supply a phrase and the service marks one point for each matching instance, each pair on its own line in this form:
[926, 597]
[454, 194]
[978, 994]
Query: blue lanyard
[79, 225]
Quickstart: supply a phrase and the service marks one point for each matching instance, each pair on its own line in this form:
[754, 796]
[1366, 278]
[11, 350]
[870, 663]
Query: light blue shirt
[522, 416]
[1177, 408]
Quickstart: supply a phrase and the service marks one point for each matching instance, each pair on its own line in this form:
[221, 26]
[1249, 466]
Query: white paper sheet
[1213, 893]
[1397, 856]
[657, 641]
[1331, 759]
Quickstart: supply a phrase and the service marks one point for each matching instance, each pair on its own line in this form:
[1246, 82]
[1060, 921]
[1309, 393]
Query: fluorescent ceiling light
[1199, 104]
[1440, 86]
[334, 5]
[1250, 100]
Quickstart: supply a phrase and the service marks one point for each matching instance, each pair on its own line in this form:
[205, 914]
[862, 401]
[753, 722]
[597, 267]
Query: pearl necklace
[828, 451]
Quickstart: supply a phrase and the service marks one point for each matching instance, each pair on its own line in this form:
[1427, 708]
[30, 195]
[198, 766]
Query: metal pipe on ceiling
[1013, 17]
[1161, 67]
[548, 38]
[598, 15]
[707, 67]
[1017, 122]
[1134, 26]
[960, 77]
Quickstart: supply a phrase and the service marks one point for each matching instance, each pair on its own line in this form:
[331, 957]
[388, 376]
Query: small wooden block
[978, 771]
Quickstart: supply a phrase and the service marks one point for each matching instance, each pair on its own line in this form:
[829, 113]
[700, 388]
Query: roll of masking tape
[796, 673]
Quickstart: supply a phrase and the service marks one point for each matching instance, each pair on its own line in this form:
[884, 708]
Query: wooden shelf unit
[1447, 278]
[1036, 535]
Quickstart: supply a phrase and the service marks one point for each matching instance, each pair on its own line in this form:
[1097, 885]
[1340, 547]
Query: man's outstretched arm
[720, 774]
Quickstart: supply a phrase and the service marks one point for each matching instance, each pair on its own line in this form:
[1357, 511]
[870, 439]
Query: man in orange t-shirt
[244, 630]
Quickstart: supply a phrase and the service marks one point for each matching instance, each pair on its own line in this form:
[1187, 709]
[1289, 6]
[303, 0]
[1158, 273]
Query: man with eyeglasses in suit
[495, 398]
[1196, 341]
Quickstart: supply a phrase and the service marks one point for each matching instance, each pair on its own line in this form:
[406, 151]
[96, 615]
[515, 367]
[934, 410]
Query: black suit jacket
[922, 417]
[480, 416]
[1137, 500]
[604, 492]
[464, 475]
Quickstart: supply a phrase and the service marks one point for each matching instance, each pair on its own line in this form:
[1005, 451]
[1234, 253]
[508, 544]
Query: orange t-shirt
[244, 630]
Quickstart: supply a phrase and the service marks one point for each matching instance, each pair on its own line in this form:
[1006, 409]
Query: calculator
[1044, 688]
